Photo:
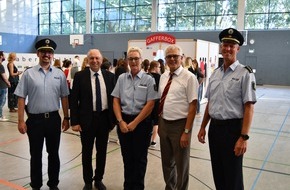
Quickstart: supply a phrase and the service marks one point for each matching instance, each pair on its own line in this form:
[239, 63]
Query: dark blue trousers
[227, 168]
[134, 148]
[38, 130]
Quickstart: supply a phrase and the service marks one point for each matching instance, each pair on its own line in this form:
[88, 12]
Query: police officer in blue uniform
[231, 98]
[134, 98]
[44, 86]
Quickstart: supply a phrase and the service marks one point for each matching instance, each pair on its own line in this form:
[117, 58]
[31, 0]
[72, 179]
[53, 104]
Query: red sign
[160, 37]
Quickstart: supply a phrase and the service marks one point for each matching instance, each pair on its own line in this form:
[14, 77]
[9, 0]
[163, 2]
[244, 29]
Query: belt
[226, 122]
[46, 115]
[173, 121]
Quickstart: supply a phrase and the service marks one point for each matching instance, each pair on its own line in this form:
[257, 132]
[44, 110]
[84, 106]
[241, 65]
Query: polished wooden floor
[266, 163]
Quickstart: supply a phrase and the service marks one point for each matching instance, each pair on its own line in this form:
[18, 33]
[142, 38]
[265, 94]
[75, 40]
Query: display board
[24, 60]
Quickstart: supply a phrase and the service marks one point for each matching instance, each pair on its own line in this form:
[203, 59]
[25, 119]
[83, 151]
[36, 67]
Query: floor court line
[270, 151]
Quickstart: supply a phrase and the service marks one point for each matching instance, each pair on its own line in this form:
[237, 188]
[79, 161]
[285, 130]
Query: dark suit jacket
[81, 102]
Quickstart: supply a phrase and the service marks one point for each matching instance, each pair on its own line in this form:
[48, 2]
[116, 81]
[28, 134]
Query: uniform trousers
[96, 134]
[226, 167]
[40, 127]
[175, 160]
[134, 148]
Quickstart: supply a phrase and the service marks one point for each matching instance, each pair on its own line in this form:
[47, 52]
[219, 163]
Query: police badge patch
[254, 85]
[155, 87]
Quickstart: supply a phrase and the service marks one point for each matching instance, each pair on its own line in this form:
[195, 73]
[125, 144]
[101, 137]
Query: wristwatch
[186, 131]
[66, 118]
[245, 137]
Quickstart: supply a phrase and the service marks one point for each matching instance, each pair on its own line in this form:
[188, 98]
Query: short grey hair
[173, 47]
[134, 49]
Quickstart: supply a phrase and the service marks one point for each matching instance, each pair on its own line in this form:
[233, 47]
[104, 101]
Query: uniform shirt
[229, 90]
[103, 89]
[135, 92]
[43, 89]
[183, 90]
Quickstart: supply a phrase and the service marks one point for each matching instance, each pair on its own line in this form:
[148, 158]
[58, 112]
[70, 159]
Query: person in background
[76, 62]
[4, 84]
[115, 61]
[76, 66]
[200, 76]
[122, 67]
[187, 63]
[13, 79]
[134, 97]
[162, 66]
[145, 65]
[231, 97]
[44, 121]
[66, 69]
[177, 108]
[154, 70]
[85, 64]
[57, 64]
[92, 115]
[106, 65]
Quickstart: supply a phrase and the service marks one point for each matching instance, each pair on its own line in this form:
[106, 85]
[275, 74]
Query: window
[120, 16]
[62, 17]
[113, 16]
[267, 14]
[184, 15]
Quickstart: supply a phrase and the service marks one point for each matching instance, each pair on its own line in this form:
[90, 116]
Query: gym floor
[266, 162]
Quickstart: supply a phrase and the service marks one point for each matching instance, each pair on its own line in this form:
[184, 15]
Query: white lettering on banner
[25, 60]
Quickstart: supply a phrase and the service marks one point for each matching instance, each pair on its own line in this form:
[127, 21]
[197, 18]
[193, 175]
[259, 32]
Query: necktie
[98, 94]
[164, 94]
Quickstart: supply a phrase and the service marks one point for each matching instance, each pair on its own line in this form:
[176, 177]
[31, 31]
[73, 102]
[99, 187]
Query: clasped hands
[126, 128]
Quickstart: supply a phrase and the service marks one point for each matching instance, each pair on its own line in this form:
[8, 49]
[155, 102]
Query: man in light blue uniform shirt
[134, 98]
[44, 86]
[231, 97]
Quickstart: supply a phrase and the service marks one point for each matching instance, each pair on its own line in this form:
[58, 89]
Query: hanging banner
[160, 37]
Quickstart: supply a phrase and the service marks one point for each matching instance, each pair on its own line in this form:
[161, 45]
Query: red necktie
[164, 94]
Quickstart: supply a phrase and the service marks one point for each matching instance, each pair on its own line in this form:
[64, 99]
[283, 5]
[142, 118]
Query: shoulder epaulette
[218, 67]
[27, 68]
[249, 68]
[150, 75]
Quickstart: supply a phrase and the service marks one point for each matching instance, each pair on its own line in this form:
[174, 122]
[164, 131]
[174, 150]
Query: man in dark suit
[92, 115]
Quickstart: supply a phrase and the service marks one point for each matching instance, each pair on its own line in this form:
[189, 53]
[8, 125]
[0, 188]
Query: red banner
[160, 37]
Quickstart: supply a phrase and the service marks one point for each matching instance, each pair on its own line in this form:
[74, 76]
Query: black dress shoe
[88, 187]
[35, 188]
[100, 186]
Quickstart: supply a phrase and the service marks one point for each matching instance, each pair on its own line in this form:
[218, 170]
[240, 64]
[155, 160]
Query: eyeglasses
[133, 58]
[172, 56]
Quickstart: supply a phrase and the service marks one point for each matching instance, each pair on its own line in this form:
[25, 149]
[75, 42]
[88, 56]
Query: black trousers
[134, 148]
[97, 134]
[38, 129]
[227, 168]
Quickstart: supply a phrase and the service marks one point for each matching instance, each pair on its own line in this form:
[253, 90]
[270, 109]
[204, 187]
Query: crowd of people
[143, 99]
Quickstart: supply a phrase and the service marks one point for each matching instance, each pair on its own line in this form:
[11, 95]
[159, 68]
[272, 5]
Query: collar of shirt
[39, 68]
[93, 73]
[139, 75]
[232, 66]
[177, 71]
